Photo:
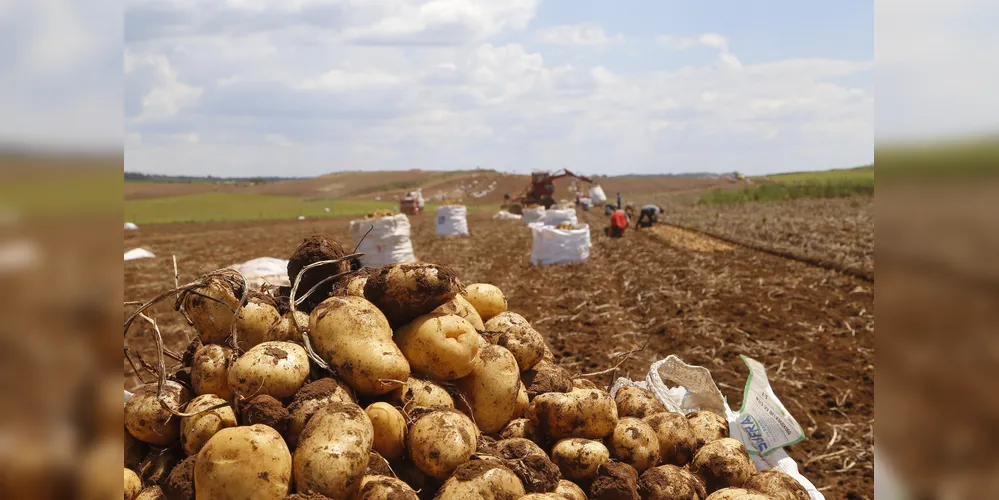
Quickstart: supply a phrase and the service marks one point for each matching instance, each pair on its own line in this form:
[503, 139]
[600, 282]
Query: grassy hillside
[847, 174]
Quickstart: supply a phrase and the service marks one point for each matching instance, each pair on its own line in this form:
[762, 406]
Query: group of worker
[620, 218]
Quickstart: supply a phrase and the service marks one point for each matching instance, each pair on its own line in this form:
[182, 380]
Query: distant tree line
[140, 177]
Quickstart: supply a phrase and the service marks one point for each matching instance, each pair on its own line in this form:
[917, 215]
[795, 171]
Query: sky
[305, 87]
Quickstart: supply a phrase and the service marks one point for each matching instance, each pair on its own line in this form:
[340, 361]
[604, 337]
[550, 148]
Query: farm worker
[619, 200]
[619, 222]
[650, 212]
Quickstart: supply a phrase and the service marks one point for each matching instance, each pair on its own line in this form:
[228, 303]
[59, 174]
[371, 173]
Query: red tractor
[542, 190]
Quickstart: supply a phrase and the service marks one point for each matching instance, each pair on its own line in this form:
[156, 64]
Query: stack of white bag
[762, 423]
[597, 196]
[556, 217]
[532, 215]
[559, 246]
[504, 215]
[387, 243]
[452, 220]
[262, 270]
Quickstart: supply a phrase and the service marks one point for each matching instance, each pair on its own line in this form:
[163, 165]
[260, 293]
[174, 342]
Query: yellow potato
[440, 440]
[520, 428]
[668, 482]
[481, 479]
[512, 331]
[278, 369]
[418, 393]
[147, 421]
[255, 320]
[707, 426]
[634, 443]
[212, 307]
[390, 430]
[133, 485]
[489, 392]
[588, 413]
[404, 292]
[582, 383]
[197, 430]
[778, 484]
[287, 328]
[579, 458]
[488, 300]
[676, 438]
[210, 371]
[442, 346]
[569, 490]
[460, 307]
[251, 463]
[354, 285]
[737, 494]
[723, 464]
[352, 335]
[308, 400]
[333, 451]
[637, 402]
[151, 493]
[384, 488]
[523, 401]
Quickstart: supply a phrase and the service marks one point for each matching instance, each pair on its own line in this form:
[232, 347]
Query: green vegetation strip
[780, 191]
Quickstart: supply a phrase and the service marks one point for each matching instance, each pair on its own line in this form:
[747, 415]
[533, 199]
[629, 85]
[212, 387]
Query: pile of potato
[379, 213]
[410, 385]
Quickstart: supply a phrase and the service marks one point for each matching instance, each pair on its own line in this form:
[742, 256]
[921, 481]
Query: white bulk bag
[452, 220]
[559, 246]
[531, 215]
[387, 243]
[597, 195]
[139, 253]
[556, 217]
[130, 226]
[504, 215]
[264, 269]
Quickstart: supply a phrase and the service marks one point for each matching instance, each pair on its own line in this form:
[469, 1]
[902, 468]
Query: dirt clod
[180, 483]
[316, 248]
[264, 409]
[615, 481]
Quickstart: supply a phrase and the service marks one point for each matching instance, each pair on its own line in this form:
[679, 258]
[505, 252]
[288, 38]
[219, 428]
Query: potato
[418, 393]
[179, 484]
[488, 300]
[212, 307]
[707, 426]
[503, 321]
[481, 479]
[615, 481]
[520, 428]
[546, 377]
[722, 464]
[250, 462]
[255, 320]
[737, 494]
[440, 439]
[582, 383]
[390, 430]
[316, 248]
[332, 451]
[634, 443]
[523, 401]
[210, 371]
[405, 292]
[529, 462]
[579, 458]
[384, 488]
[442, 346]
[512, 331]
[669, 482]
[588, 413]
[355, 285]
[147, 421]
[777, 484]
[151, 493]
[489, 392]
[133, 485]
[637, 402]
[353, 336]
[278, 369]
[308, 400]
[264, 409]
[460, 307]
[569, 490]
[287, 328]
[197, 430]
[676, 438]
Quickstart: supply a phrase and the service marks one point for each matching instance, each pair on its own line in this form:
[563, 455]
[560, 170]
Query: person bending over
[650, 214]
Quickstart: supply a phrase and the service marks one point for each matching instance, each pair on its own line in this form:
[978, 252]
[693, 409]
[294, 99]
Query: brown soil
[615, 481]
[812, 328]
[307, 496]
[316, 248]
[264, 409]
[180, 483]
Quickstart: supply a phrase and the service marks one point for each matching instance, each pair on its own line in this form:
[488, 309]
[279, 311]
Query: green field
[208, 207]
[847, 174]
[782, 191]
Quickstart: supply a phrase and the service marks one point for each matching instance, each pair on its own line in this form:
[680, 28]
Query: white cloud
[339, 80]
[584, 34]
[167, 95]
[710, 40]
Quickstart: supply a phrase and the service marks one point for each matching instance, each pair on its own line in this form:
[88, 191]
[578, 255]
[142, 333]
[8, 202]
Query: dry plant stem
[624, 357]
[232, 329]
[161, 379]
[358, 245]
[138, 374]
[292, 302]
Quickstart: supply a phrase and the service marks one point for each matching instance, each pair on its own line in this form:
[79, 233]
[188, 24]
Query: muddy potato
[481, 480]
[520, 428]
[418, 393]
[490, 390]
[210, 371]
[460, 307]
[151, 493]
[352, 335]
[441, 439]
[579, 458]
[513, 332]
[707, 426]
[669, 482]
[615, 481]
[676, 438]
[250, 462]
[503, 321]
[722, 464]
[389, 430]
[588, 413]
[196, 430]
[133, 485]
[264, 409]
[523, 401]
[488, 300]
[405, 292]
[333, 451]
[442, 346]
[529, 462]
[569, 490]
[546, 377]
[384, 488]
[738, 494]
[211, 306]
[316, 248]
[541, 496]
[147, 421]
[179, 485]
[278, 369]
[637, 402]
[634, 443]
[287, 328]
[777, 484]
[582, 383]
[255, 320]
[308, 400]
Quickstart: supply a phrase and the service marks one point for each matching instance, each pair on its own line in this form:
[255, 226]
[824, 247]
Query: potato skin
[722, 464]
[151, 493]
[634, 443]
[579, 458]
[460, 307]
[637, 402]
[520, 428]
[286, 329]
[523, 401]
[669, 482]
[333, 451]
[707, 426]
[210, 371]
[147, 421]
[569, 490]
[197, 430]
[250, 463]
[133, 485]
[384, 488]
[278, 369]
[676, 438]
[582, 383]
[440, 440]
[512, 331]
[404, 292]
[737, 494]
[547, 377]
[529, 462]
[442, 346]
[255, 320]
[777, 484]
[481, 480]
[488, 300]
[418, 393]
[389, 430]
[588, 413]
[213, 318]
[352, 335]
[308, 400]
[490, 390]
